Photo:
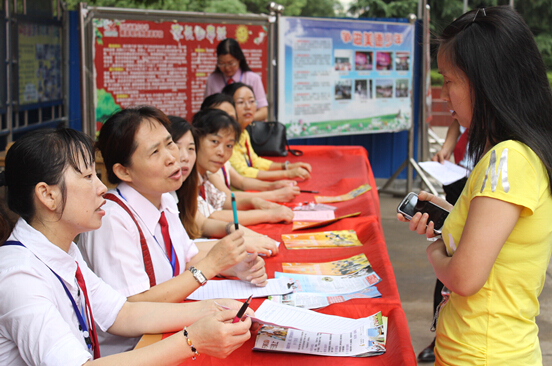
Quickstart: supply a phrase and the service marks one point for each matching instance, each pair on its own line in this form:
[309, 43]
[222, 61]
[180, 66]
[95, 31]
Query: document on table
[445, 173]
[369, 339]
[236, 289]
[313, 216]
[307, 300]
[332, 285]
[284, 316]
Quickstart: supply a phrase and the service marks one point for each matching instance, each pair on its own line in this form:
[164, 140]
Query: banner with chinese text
[164, 64]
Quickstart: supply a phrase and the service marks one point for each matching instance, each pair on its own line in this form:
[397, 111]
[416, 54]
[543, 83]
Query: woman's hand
[261, 244]
[229, 251]
[299, 172]
[419, 222]
[215, 305]
[441, 156]
[281, 184]
[279, 214]
[252, 269]
[215, 335]
[286, 194]
[305, 166]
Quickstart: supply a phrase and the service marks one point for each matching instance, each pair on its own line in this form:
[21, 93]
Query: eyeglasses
[242, 103]
[228, 64]
[477, 12]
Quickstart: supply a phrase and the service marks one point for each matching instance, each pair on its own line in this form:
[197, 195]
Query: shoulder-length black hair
[510, 93]
[230, 46]
[188, 191]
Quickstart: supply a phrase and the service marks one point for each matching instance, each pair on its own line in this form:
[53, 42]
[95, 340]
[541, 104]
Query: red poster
[165, 64]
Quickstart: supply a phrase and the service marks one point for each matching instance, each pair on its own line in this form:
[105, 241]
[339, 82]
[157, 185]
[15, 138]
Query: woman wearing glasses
[244, 159]
[232, 68]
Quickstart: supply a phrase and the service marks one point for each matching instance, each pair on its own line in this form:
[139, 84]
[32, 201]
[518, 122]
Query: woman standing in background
[231, 68]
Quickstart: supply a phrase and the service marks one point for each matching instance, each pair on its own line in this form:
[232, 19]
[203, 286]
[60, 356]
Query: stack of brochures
[295, 330]
[327, 283]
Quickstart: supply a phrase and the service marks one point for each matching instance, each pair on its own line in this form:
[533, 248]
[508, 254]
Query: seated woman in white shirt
[216, 134]
[278, 191]
[131, 251]
[53, 304]
[194, 222]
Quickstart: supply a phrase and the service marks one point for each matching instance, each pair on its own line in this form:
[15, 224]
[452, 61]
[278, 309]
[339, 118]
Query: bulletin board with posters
[163, 59]
[39, 55]
[340, 77]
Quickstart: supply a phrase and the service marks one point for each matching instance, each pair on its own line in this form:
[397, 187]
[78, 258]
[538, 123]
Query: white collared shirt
[38, 325]
[114, 251]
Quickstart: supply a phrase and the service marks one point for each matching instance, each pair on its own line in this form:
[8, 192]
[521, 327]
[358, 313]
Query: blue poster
[341, 77]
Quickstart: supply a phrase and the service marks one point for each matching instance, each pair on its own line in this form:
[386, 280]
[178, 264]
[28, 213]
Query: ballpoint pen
[242, 310]
[236, 225]
[305, 191]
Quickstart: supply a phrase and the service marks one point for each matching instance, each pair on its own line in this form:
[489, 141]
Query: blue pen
[236, 225]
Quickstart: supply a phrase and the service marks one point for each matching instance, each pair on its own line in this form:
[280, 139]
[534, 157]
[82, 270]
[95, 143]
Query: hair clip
[477, 12]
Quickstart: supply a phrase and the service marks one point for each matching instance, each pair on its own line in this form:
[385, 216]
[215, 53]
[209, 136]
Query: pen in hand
[236, 225]
[242, 310]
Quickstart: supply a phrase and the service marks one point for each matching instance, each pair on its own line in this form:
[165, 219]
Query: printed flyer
[342, 76]
[334, 268]
[326, 239]
[344, 197]
[367, 339]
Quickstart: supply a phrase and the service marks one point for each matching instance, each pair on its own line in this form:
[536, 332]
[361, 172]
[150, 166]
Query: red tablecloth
[337, 170]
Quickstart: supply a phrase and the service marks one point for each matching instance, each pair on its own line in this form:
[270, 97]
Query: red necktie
[230, 81]
[91, 324]
[168, 244]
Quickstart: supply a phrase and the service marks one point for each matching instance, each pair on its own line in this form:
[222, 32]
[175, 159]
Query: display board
[164, 64]
[344, 76]
[39, 62]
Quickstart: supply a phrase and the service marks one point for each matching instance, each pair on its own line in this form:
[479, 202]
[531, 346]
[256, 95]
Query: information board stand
[160, 58]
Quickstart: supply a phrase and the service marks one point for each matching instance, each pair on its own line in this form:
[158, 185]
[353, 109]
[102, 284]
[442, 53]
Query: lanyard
[80, 316]
[225, 177]
[248, 156]
[172, 257]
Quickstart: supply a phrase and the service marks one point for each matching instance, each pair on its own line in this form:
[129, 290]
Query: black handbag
[269, 139]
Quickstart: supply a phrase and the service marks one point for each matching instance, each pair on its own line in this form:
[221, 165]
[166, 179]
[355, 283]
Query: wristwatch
[198, 275]
[286, 165]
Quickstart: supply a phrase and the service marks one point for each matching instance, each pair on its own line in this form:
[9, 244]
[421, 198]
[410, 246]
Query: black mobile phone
[410, 205]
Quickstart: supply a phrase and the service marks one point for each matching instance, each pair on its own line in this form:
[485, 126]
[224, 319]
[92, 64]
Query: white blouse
[114, 251]
[38, 325]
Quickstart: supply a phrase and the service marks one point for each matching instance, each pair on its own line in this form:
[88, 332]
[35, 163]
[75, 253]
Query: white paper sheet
[297, 318]
[313, 216]
[236, 289]
[445, 173]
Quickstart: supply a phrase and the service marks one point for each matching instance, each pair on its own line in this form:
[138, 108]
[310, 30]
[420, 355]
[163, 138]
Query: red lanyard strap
[148, 265]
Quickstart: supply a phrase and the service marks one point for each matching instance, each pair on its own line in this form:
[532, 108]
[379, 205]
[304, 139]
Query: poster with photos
[341, 77]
